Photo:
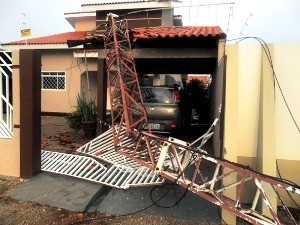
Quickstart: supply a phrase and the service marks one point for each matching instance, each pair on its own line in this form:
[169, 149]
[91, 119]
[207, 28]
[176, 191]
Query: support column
[101, 96]
[30, 113]
[231, 124]
[266, 152]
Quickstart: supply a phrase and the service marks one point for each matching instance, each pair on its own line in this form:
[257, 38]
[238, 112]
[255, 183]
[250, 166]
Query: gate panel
[6, 108]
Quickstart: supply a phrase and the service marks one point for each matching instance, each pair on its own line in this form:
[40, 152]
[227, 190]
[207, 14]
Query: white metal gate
[116, 171]
[6, 108]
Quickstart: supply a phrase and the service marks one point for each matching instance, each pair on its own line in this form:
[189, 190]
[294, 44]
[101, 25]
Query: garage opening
[206, 105]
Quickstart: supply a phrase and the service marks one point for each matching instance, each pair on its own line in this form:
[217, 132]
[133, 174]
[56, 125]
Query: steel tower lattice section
[183, 163]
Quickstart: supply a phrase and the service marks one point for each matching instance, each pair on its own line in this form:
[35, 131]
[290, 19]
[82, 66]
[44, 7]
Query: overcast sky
[274, 21]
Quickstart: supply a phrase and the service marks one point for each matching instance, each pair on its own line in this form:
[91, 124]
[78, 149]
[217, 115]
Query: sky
[274, 21]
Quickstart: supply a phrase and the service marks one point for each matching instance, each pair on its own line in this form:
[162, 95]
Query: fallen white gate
[100, 164]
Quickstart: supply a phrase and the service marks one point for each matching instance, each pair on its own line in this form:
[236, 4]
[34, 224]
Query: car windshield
[157, 95]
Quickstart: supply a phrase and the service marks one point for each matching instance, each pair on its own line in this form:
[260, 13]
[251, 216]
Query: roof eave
[36, 46]
[128, 5]
[75, 16]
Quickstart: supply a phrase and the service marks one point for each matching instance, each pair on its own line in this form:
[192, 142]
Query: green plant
[84, 111]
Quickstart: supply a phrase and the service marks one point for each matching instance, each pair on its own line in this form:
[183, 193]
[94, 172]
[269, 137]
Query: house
[257, 128]
[65, 70]
[158, 45]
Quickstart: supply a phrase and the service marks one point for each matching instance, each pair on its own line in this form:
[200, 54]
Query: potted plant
[84, 116]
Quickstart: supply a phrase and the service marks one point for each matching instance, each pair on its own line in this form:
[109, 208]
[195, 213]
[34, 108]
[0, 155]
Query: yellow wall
[286, 61]
[248, 94]
[89, 80]
[287, 135]
[258, 128]
[289, 169]
[10, 148]
[231, 122]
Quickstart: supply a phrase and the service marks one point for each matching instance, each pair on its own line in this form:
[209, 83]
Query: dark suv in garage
[163, 105]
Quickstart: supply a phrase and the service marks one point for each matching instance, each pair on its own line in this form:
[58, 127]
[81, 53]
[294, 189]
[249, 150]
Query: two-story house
[69, 71]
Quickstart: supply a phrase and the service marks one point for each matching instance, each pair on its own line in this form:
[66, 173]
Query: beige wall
[86, 24]
[290, 169]
[64, 100]
[286, 61]
[258, 128]
[51, 101]
[88, 80]
[231, 122]
[248, 88]
[10, 148]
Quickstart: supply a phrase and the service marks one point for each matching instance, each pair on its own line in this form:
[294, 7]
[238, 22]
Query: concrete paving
[58, 191]
[78, 195]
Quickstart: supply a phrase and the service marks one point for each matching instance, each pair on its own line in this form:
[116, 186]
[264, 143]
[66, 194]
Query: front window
[53, 80]
[158, 95]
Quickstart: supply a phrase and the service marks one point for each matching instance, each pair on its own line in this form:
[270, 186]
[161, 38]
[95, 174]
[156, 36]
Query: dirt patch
[57, 136]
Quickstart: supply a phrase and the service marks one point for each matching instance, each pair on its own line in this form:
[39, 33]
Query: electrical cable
[123, 215]
[154, 202]
[168, 190]
[194, 157]
[69, 83]
[269, 57]
[277, 167]
[267, 51]
[174, 7]
[268, 54]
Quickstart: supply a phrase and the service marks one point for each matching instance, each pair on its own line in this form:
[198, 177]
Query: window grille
[53, 80]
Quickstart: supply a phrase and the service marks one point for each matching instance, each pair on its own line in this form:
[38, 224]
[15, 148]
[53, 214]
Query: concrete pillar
[266, 152]
[231, 122]
[101, 96]
[30, 113]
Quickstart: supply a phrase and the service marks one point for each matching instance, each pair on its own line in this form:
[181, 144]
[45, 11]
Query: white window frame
[57, 74]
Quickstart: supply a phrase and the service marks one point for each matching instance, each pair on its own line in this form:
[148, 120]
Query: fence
[6, 108]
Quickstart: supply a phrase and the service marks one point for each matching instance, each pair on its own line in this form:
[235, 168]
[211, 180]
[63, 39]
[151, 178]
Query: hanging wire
[269, 57]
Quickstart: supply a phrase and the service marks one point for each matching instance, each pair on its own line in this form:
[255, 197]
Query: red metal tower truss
[183, 163]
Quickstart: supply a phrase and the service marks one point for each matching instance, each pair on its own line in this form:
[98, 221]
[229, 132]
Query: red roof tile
[136, 33]
[177, 32]
[51, 39]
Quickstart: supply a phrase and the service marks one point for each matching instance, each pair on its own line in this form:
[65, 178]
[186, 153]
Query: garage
[179, 50]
